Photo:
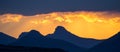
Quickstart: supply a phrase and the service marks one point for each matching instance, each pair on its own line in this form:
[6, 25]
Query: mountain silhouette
[6, 39]
[110, 45]
[32, 33]
[31, 37]
[60, 41]
[36, 39]
[62, 34]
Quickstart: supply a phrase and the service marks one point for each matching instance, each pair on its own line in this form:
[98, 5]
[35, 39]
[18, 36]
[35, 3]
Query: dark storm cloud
[30, 7]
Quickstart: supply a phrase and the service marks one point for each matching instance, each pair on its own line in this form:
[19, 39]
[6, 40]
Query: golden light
[87, 24]
[10, 18]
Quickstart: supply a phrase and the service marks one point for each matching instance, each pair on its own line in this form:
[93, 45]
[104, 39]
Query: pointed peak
[35, 32]
[60, 28]
[32, 33]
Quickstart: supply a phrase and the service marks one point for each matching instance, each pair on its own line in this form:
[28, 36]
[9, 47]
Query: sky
[85, 18]
[31, 7]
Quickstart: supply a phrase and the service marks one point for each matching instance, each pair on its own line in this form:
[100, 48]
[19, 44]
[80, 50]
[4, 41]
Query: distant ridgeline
[60, 41]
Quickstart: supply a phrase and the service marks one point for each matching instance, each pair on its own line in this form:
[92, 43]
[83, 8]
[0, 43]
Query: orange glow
[87, 24]
[10, 18]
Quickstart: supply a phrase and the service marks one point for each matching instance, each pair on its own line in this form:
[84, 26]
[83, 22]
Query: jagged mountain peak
[63, 34]
[32, 33]
[61, 29]
[35, 32]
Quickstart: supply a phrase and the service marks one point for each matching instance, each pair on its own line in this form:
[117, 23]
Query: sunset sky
[85, 18]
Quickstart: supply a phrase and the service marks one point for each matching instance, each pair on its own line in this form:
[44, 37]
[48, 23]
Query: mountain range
[36, 39]
[62, 34]
[61, 40]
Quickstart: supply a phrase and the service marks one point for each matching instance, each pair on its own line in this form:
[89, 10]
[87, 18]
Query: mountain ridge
[109, 45]
[63, 39]
[62, 34]
[4, 38]
[36, 40]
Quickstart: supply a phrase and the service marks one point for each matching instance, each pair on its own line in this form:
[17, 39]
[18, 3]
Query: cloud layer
[82, 23]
